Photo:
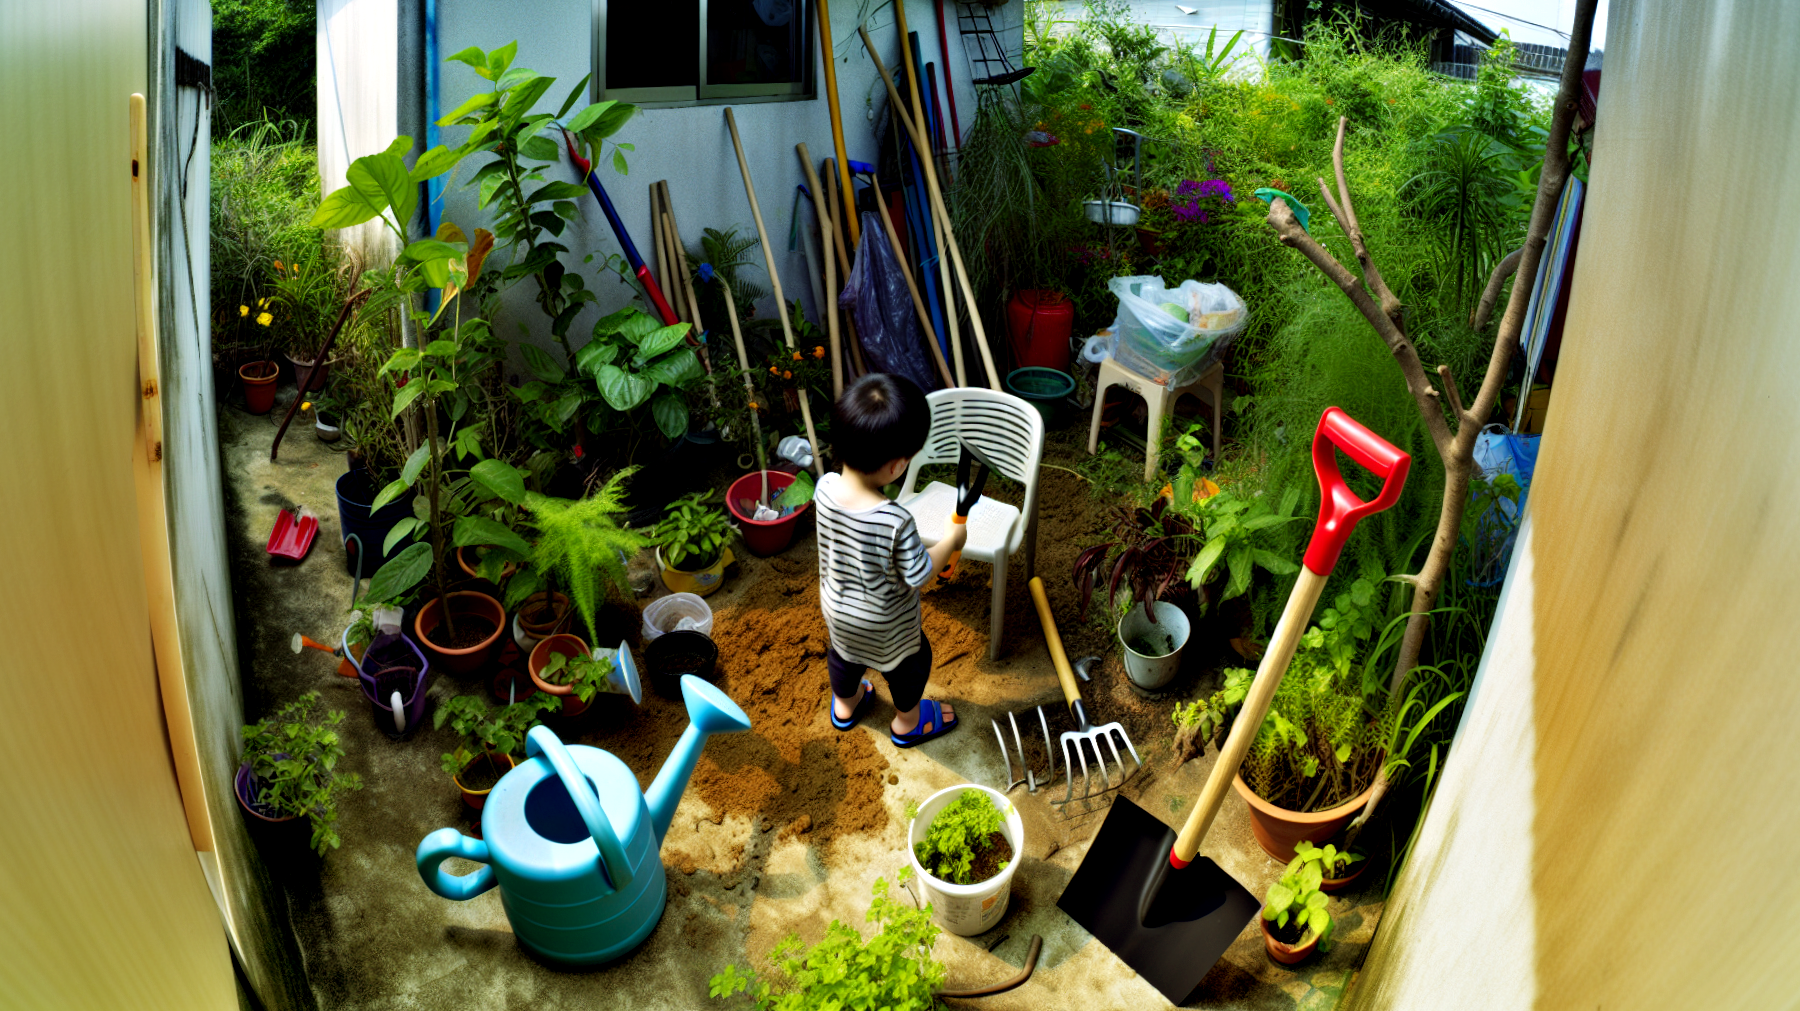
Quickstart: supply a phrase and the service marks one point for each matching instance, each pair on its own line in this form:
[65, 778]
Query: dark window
[693, 51]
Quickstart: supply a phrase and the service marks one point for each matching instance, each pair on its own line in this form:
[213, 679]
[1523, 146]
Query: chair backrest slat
[1003, 428]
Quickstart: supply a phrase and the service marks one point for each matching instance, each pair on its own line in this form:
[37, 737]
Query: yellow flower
[264, 318]
[306, 405]
[243, 310]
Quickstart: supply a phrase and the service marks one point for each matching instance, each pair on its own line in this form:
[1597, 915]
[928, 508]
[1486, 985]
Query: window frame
[701, 93]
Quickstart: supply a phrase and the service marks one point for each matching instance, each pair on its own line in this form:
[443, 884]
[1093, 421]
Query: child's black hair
[879, 418]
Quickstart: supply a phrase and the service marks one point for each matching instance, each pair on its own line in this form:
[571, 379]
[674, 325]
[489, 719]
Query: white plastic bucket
[966, 909]
[665, 614]
[1163, 640]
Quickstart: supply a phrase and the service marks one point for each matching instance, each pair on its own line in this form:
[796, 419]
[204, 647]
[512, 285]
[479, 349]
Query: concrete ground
[374, 937]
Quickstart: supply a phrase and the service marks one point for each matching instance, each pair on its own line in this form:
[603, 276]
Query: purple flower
[1187, 186]
[1217, 188]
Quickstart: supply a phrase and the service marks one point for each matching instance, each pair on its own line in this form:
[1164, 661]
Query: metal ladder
[989, 62]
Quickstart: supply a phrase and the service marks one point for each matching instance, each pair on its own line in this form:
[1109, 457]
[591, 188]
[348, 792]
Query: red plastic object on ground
[1039, 324]
[762, 537]
[293, 536]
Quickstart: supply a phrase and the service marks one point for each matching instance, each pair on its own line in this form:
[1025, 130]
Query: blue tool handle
[440, 846]
[543, 741]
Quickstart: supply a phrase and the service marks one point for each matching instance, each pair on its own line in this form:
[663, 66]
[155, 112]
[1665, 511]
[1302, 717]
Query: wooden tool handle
[1071, 694]
[1250, 718]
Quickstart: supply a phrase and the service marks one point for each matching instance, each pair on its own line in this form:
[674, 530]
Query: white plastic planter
[966, 909]
[1165, 639]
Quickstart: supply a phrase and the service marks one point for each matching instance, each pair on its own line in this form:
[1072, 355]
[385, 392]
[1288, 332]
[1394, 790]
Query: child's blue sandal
[929, 712]
[855, 714]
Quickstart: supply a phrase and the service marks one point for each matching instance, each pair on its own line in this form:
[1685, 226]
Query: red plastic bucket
[1039, 323]
[764, 537]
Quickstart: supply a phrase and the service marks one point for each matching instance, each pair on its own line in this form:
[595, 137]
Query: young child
[872, 563]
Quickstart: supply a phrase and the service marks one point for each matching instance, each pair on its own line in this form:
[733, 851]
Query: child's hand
[955, 534]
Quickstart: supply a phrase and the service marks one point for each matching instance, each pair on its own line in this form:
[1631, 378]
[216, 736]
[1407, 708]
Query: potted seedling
[691, 547]
[1294, 918]
[290, 769]
[580, 549]
[965, 844]
[490, 738]
[1333, 864]
[562, 665]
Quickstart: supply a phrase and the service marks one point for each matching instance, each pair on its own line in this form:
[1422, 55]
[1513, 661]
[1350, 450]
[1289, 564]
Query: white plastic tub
[1164, 639]
[665, 614]
[966, 909]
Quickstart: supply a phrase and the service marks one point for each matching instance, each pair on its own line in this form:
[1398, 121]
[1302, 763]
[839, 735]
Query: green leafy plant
[1208, 719]
[958, 835]
[799, 493]
[579, 547]
[1295, 900]
[892, 970]
[486, 730]
[293, 758]
[692, 532]
[586, 674]
[726, 254]
[1332, 863]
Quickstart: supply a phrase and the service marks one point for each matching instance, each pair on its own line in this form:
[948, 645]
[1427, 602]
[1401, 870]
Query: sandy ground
[785, 828]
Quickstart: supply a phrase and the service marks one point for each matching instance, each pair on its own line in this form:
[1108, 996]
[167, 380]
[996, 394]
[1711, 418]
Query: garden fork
[1084, 733]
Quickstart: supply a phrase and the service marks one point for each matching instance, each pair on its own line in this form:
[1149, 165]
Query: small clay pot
[471, 565]
[310, 375]
[476, 798]
[537, 631]
[1334, 885]
[1286, 954]
[469, 658]
[259, 385]
[569, 646]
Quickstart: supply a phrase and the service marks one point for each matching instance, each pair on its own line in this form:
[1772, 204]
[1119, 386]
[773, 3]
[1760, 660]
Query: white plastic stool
[1159, 399]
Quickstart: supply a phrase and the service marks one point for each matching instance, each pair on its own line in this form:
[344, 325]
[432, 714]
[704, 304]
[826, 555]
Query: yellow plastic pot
[698, 581]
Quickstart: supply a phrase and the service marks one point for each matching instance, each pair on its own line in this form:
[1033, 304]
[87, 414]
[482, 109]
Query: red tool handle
[1340, 509]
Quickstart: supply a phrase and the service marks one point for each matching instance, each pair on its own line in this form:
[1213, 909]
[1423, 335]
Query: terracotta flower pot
[259, 385]
[468, 658]
[470, 564]
[1277, 829]
[1286, 954]
[476, 798]
[1334, 885]
[569, 646]
[309, 375]
[537, 631]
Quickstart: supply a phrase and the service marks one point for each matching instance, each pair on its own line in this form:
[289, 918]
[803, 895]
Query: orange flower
[278, 265]
[772, 370]
[819, 352]
[796, 356]
[753, 406]
[787, 375]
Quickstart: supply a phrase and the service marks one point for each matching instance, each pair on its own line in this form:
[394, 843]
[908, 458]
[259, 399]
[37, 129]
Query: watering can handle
[399, 711]
[440, 846]
[1340, 509]
[543, 741]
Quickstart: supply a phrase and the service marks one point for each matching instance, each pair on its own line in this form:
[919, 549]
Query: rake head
[1073, 742]
[1027, 777]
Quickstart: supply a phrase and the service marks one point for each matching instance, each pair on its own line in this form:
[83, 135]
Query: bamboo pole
[737, 334]
[661, 252]
[912, 288]
[823, 210]
[937, 197]
[687, 276]
[787, 328]
[821, 8]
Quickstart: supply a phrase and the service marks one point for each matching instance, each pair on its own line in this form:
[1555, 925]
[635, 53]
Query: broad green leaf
[630, 322]
[661, 339]
[1289, 500]
[1273, 562]
[521, 98]
[500, 479]
[479, 100]
[541, 364]
[675, 370]
[590, 115]
[565, 408]
[1265, 521]
[558, 190]
[408, 393]
[622, 390]
[671, 413]
[479, 531]
[1316, 900]
[1280, 896]
[402, 360]
[394, 490]
[1310, 876]
[595, 353]
[574, 93]
[401, 573]
[441, 348]
[426, 250]
[473, 56]
[514, 77]
[500, 59]
[434, 163]
[1202, 567]
[619, 164]
[382, 178]
[1361, 593]
[608, 123]
[344, 208]
[415, 464]
[540, 148]
[490, 186]
[400, 532]
[799, 493]
[1238, 558]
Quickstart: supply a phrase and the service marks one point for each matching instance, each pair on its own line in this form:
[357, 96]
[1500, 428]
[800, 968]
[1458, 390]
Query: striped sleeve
[911, 563]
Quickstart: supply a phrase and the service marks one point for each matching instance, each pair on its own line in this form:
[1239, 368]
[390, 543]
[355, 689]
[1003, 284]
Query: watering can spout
[710, 711]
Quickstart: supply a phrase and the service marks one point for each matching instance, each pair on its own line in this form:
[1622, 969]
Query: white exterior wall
[689, 147]
[1254, 17]
[358, 86]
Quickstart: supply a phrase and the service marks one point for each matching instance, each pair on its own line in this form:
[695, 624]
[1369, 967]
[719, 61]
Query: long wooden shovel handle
[1339, 511]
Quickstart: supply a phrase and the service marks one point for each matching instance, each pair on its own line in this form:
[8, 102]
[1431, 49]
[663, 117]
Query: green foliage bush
[264, 62]
[948, 850]
[293, 757]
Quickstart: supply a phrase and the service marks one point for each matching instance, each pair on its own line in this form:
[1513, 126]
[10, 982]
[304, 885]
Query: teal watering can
[574, 845]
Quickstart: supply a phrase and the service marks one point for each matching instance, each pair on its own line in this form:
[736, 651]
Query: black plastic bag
[886, 325]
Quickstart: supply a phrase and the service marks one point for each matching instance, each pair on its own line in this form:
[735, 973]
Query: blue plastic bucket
[355, 493]
[1043, 388]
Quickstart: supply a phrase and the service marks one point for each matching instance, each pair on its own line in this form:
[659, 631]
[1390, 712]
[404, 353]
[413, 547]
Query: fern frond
[582, 543]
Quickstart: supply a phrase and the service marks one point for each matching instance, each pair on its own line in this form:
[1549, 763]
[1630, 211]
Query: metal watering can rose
[573, 845]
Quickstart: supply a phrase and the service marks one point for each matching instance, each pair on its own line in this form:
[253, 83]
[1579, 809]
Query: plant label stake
[1142, 889]
[573, 844]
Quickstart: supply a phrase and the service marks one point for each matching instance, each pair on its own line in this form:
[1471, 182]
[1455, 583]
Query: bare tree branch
[1450, 390]
[1478, 320]
[1347, 216]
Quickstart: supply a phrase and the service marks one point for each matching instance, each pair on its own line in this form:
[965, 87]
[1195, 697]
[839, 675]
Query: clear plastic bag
[1159, 344]
[887, 327]
[677, 612]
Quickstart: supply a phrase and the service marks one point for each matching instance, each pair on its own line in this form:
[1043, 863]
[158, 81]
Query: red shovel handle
[1340, 509]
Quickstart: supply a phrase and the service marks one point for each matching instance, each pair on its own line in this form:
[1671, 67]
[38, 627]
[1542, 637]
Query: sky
[1522, 18]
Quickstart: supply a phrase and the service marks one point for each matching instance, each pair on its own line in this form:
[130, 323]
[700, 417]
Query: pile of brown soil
[991, 858]
[471, 630]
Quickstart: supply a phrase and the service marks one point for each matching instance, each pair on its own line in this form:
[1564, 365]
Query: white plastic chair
[1007, 432]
